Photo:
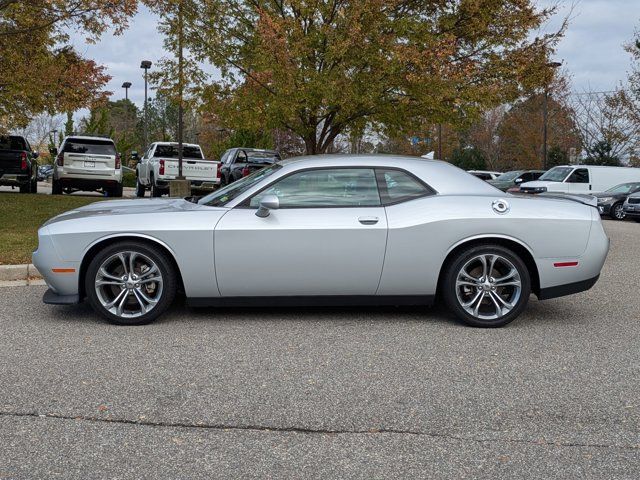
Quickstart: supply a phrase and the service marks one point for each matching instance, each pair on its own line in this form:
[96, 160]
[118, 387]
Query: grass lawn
[20, 217]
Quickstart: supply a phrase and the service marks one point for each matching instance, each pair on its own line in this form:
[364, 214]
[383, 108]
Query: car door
[578, 181]
[327, 238]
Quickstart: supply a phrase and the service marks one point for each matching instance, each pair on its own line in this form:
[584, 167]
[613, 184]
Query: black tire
[450, 292]
[165, 266]
[56, 188]
[34, 185]
[25, 187]
[155, 191]
[116, 191]
[617, 212]
[140, 190]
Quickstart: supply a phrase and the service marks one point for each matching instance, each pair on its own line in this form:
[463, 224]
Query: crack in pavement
[303, 430]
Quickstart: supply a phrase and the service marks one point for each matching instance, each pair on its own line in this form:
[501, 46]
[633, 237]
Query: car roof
[88, 137]
[184, 144]
[442, 176]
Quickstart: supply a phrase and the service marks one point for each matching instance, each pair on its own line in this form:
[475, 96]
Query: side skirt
[312, 301]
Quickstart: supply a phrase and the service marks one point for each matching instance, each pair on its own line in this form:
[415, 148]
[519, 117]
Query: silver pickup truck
[159, 166]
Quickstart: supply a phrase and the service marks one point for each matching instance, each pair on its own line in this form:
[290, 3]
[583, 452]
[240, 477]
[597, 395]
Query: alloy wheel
[488, 286]
[618, 212]
[128, 284]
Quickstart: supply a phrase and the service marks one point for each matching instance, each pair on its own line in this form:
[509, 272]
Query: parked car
[514, 178]
[87, 163]
[631, 206]
[241, 162]
[581, 179]
[18, 166]
[484, 174]
[159, 166]
[45, 172]
[611, 201]
[326, 226]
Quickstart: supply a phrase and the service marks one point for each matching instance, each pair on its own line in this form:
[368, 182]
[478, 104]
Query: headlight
[604, 199]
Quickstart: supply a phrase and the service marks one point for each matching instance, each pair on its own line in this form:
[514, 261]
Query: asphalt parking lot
[327, 393]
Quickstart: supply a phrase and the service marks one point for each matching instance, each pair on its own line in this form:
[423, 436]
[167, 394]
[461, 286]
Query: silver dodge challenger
[327, 230]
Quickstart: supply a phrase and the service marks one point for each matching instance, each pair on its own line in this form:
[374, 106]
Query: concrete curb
[12, 273]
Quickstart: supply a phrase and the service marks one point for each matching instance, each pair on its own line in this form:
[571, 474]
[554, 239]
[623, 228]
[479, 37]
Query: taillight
[219, 171]
[245, 171]
[23, 161]
[118, 161]
[161, 171]
[60, 159]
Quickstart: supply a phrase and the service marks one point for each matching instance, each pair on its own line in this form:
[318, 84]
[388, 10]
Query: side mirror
[268, 202]
[518, 180]
[35, 154]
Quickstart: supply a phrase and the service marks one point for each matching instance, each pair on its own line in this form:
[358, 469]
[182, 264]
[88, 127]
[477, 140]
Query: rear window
[12, 143]
[171, 151]
[96, 147]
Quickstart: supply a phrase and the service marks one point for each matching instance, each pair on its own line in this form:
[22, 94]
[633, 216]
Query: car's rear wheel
[56, 188]
[486, 286]
[617, 211]
[34, 185]
[130, 283]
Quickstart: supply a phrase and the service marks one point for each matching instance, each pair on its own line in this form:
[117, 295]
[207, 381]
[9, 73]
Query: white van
[581, 179]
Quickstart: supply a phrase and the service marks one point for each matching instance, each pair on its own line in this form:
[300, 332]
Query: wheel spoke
[473, 300]
[509, 275]
[492, 264]
[124, 262]
[120, 307]
[483, 261]
[151, 270]
[492, 296]
[132, 257]
[103, 273]
[497, 297]
[144, 296]
[122, 294]
[140, 300]
[148, 280]
[476, 309]
[100, 283]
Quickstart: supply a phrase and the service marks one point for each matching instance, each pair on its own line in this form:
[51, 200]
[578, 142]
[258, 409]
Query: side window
[241, 157]
[338, 187]
[579, 175]
[398, 186]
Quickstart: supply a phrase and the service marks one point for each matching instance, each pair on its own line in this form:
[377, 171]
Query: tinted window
[341, 187]
[397, 186]
[13, 143]
[509, 176]
[171, 151]
[263, 157]
[625, 188]
[580, 175]
[97, 147]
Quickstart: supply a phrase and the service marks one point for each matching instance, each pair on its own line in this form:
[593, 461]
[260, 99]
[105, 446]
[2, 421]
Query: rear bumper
[14, 179]
[88, 183]
[635, 213]
[568, 289]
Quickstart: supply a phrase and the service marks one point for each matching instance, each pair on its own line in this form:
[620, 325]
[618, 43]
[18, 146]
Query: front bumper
[62, 277]
[52, 298]
[632, 211]
[604, 208]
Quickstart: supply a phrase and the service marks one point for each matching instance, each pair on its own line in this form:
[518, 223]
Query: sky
[591, 51]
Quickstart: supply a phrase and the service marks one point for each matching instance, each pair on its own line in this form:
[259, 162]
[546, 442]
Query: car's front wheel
[140, 189]
[486, 286]
[617, 211]
[130, 283]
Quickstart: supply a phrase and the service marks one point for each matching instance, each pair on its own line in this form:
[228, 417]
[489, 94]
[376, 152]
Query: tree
[319, 68]
[601, 153]
[521, 129]
[39, 73]
[469, 159]
[608, 124]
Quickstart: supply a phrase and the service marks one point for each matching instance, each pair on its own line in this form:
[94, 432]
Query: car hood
[537, 183]
[129, 207]
[608, 194]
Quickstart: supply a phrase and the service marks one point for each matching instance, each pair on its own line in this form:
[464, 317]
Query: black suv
[610, 202]
[18, 167]
[240, 162]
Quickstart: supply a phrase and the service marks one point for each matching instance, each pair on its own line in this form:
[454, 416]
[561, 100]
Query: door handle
[368, 220]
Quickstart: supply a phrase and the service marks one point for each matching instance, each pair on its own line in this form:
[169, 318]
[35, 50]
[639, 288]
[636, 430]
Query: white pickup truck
[159, 165]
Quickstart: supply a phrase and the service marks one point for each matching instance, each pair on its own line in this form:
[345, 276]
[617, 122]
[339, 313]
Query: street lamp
[146, 65]
[545, 116]
[126, 86]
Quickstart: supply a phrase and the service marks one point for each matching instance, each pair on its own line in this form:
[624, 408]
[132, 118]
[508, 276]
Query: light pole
[146, 65]
[126, 86]
[545, 117]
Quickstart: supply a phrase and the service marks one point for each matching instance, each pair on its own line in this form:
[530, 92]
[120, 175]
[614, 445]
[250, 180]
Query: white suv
[87, 163]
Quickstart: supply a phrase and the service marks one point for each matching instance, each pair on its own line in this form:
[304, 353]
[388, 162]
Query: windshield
[624, 188]
[12, 143]
[509, 176]
[171, 151]
[221, 197]
[556, 174]
[263, 157]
